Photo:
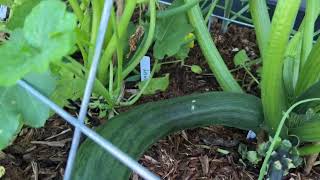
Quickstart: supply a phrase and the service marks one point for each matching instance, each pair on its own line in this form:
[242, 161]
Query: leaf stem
[213, 5]
[308, 30]
[96, 15]
[210, 51]
[136, 98]
[77, 10]
[112, 45]
[144, 49]
[177, 10]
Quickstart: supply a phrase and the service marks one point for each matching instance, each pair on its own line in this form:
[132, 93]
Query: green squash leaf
[68, 87]
[6, 2]
[170, 33]
[253, 157]
[20, 12]
[18, 107]
[48, 35]
[241, 58]
[312, 92]
[196, 69]
[155, 85]
[34, 112]
[10, 120]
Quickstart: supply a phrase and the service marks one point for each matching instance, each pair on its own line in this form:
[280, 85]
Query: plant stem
[96, 15]
[213, 57]
[144, 49]
[76, 9]
[111, 79]
[261, 21]
[307, 42]
[213, 5]
[273, 96]
[241, 11]
[112, 45]
[177, 10]
[136, 98]
[241, 17]
[228, 6]
[251, 75]
[119, 55]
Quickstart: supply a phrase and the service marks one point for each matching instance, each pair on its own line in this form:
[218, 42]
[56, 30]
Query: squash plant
[287, 111]
[51, 47]
[42, 37]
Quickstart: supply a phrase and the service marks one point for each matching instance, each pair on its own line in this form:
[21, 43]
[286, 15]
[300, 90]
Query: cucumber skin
[136, 130]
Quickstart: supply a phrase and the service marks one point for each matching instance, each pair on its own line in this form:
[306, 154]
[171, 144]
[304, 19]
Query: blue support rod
[89, 85]
[105, 144]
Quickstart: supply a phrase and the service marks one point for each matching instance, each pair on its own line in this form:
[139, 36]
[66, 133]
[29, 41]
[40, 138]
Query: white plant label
[145, 68]
[251, 135]
[3, 12]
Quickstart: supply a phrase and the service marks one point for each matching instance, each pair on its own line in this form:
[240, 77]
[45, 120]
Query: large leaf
[68, 87]
[307, 131]
[312, 92]
[309, 73]
[6, 2]
[170, 33]
[155, 85]
[10, 120]
[18, 107]
[48, 35]
[20, 12]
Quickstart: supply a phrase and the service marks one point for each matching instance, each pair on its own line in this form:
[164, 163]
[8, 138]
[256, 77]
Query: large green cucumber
[136, 130]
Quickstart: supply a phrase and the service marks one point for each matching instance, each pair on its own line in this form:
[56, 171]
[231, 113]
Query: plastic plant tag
[251, 135]
[145, 68]
[4, 13]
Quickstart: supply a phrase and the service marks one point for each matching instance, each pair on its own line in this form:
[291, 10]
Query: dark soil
[191, 154]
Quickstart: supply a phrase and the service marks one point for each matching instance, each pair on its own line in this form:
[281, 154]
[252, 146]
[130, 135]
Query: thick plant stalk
[261, 21]
[210, 51]
[273, 96]
[310, 18]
